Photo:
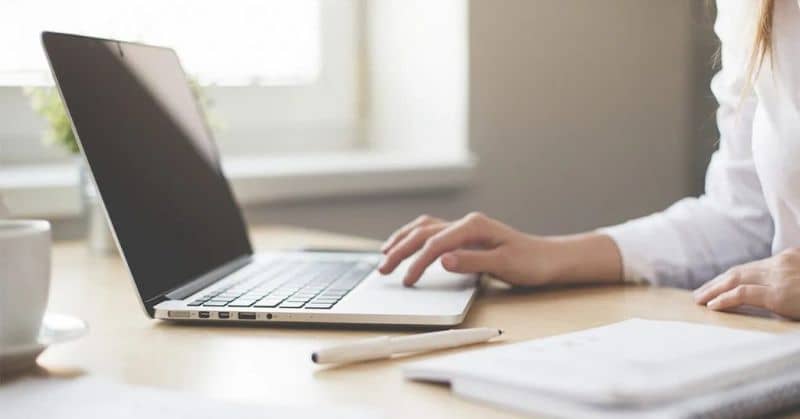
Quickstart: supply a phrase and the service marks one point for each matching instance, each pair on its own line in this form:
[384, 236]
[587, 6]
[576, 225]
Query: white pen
[385, 346]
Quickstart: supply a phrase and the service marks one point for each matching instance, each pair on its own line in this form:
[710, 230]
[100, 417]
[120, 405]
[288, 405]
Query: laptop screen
[152, 157]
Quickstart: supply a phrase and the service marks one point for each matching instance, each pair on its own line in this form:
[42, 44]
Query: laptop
[179, 230]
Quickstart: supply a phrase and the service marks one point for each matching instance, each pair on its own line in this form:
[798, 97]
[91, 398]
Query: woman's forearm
[587, 258]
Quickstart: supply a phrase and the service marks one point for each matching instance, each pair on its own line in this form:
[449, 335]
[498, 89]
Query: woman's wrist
[586, 258]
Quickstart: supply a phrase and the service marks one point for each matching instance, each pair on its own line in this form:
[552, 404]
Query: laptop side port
[178, 314]
[247, 316]
[204, 314]
[224, 315]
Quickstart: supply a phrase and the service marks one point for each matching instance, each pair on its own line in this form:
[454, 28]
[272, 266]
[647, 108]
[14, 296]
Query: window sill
[52, 190]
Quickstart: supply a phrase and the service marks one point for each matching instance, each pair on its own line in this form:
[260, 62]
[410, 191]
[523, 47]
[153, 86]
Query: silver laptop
[175, 220]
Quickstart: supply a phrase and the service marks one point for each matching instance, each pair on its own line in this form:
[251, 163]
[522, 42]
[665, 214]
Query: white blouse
[751, 207]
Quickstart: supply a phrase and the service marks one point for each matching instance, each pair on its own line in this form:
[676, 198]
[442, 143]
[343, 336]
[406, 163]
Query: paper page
[752, 399]
[595, 365]
[91, 398]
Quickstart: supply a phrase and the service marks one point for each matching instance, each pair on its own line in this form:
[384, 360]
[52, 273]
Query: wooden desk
[271, 364]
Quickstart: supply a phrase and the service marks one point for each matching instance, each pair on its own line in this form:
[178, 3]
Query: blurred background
[355, 116]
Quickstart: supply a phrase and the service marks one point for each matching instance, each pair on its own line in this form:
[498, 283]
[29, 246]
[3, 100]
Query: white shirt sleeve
[697, 238]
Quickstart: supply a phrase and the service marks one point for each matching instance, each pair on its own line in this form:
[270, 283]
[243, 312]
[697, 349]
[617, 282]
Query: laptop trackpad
[438, 292]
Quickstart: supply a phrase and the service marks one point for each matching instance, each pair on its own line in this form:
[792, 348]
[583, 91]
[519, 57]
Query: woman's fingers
[408, 245]
[472, 229]
[472, 261]
[752, 295]
[403, 231]
[736, 270]
[742, 275]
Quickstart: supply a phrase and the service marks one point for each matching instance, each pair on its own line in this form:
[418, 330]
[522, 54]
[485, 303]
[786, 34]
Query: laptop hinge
[206, 279]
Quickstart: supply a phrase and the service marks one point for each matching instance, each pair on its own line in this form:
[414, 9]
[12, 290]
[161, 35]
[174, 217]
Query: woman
[739, 242]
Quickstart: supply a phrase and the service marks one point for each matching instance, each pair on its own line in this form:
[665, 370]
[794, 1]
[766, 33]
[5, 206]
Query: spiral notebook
[635, 368]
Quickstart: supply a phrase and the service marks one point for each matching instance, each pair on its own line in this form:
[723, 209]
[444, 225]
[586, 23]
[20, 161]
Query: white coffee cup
[24, 279]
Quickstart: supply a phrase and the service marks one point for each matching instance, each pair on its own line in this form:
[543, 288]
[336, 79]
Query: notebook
[636, 368]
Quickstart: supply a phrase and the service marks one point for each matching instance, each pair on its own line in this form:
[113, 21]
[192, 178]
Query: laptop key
[241, 303]
[220, 299]
[225, 299]
[196, 303]
[298, 300]
[293, 304]
[215, 304]
[318, 306]
[267, 304]
[283, 290]
[325, 300]
[329, 296]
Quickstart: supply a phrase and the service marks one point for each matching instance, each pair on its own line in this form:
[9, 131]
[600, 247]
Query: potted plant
[46, 101]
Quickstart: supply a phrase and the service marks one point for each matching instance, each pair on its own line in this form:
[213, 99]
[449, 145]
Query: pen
[385, 346]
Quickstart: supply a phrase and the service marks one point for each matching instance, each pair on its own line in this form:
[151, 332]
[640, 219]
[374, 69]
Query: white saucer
[56, 328]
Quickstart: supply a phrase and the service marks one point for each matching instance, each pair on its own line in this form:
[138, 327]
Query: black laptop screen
[153, 159]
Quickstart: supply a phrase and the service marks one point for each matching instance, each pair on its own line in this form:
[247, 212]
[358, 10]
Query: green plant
[47, 103]
[213, 120]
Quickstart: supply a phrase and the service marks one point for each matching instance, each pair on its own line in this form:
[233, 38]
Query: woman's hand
[772, 283]
[477, 244]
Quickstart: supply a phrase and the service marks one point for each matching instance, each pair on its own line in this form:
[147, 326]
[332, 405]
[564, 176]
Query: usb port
[247, 316]
[203, 314]
[224, 315]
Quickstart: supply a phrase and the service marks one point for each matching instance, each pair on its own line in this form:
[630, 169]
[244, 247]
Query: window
[316, 97]
[281, 73]
[276, 42]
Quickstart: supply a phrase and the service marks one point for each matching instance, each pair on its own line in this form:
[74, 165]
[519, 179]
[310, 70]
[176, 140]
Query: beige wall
[579, 113]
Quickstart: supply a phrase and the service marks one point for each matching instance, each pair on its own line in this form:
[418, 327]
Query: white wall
[579, 113]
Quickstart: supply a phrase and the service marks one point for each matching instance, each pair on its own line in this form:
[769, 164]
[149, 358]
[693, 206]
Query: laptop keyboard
[313, 285]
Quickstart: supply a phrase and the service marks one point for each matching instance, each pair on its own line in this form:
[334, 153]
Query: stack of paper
[635, 368]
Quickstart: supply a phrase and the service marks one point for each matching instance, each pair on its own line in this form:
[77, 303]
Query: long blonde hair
[763, 40]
